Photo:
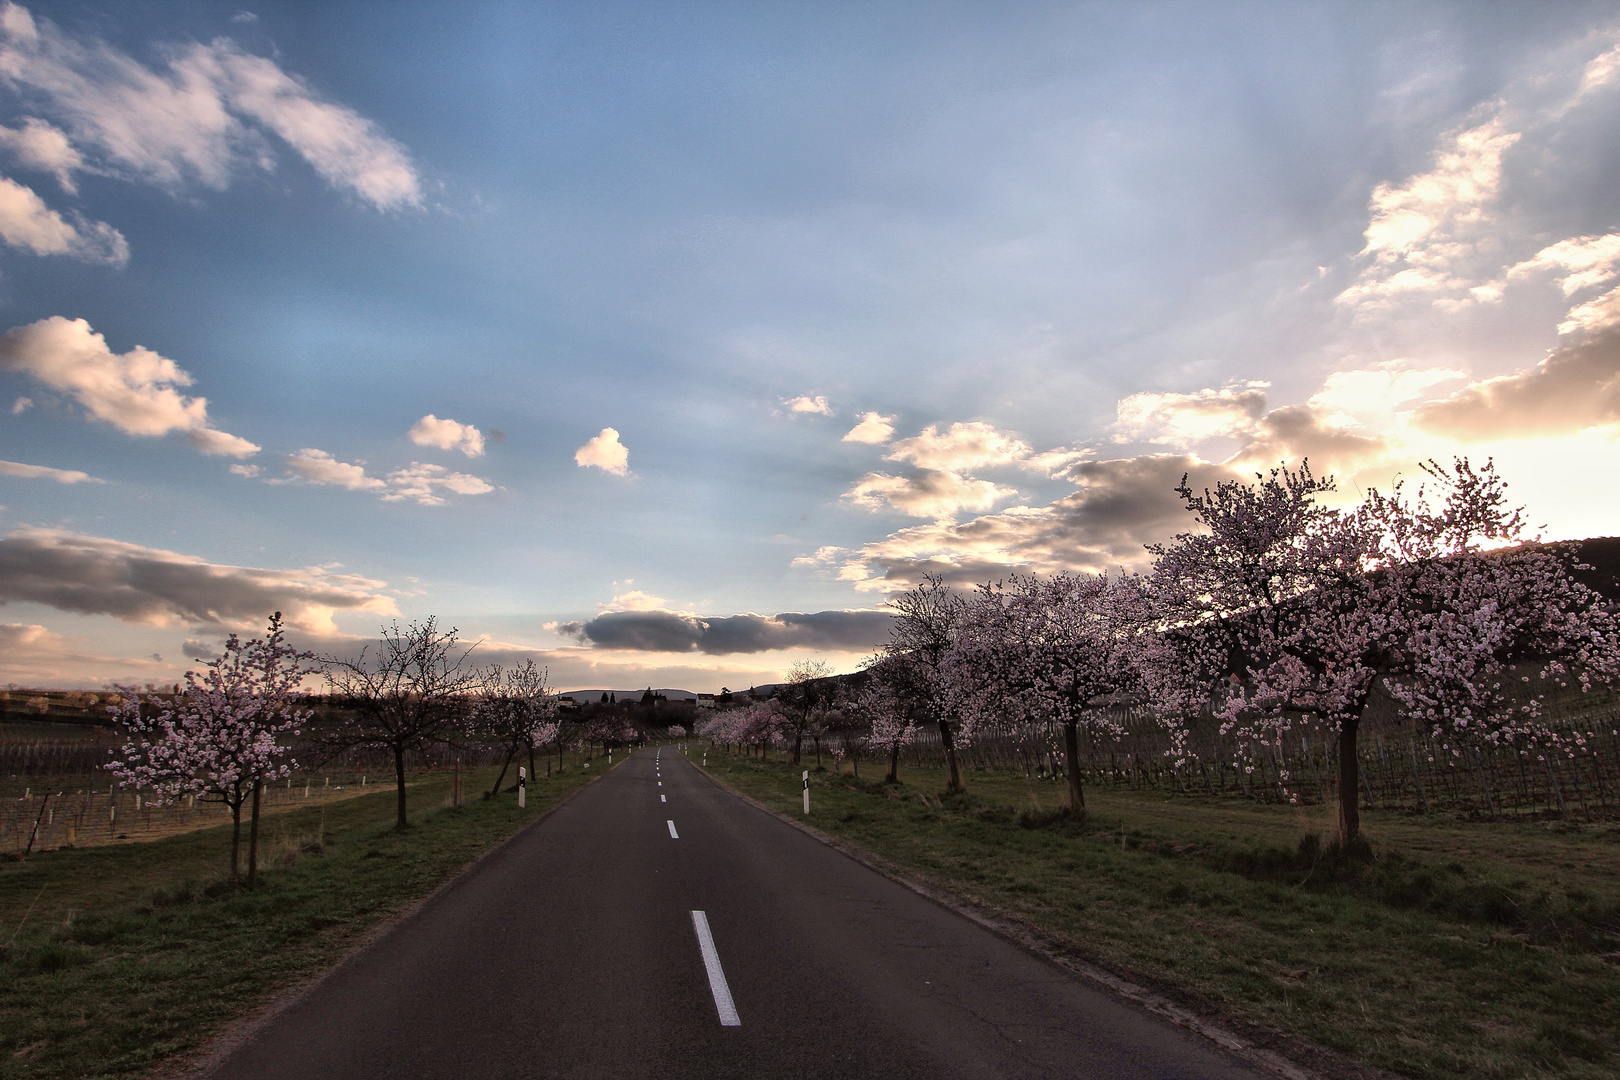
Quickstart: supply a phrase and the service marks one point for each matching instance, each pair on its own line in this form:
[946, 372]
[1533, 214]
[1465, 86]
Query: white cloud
[1421, 232]
[1059, 463]
[961, 447]
[249, 471]
[133, 391]
[320, 467]
[1597, 314]
[826, 555]
[220, 444]
[448, 435]
[43, 147]
[1577, 263]
[635, 600]
[808, 404]
[1599, 72]
[874, 428]
[27, 223]
[345, 148]
[93, 575]
[604, 451]
[930, 493]
[419, 482]
[199, 118]
[1187, 418]
[41, 472]
[1370, 396]
[21, 405]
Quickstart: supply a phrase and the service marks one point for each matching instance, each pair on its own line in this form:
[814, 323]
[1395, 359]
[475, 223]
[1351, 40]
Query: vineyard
[54, 793]
[1401, 768]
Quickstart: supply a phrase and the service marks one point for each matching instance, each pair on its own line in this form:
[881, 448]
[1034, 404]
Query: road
[574, 951]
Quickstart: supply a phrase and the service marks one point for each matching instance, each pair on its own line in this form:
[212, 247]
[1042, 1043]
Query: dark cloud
[1122, 504]
[1295, 432]
[668, 631]
[93, 575]
[1575, 387]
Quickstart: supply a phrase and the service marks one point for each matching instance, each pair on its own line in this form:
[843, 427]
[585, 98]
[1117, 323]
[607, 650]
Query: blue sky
[701, 311]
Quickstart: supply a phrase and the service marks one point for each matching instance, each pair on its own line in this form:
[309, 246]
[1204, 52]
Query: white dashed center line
[717, 977]
[673, 835]
[663, 798]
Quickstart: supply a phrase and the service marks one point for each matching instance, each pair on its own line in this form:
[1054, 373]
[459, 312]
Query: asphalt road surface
[576, 950]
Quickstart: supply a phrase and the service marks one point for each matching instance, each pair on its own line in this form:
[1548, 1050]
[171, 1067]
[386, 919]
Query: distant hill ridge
[582, 696]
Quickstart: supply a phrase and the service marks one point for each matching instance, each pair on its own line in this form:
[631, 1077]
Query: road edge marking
[717, 975]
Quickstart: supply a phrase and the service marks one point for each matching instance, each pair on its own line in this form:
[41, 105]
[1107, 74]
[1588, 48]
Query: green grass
[116, 959]
[1445, 949]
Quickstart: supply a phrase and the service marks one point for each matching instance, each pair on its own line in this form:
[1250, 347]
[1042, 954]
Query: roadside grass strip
[1451, 949]
[115, 960]
[717, 975]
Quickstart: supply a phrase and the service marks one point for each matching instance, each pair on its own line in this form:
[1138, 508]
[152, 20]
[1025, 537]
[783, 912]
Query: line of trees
[1275, 610]
[226, 732]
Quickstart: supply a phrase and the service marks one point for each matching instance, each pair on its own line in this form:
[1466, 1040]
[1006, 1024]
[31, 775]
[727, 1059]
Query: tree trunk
[950, 755]
[533, 775]
[236, 839]
[798, 742]
[399, 784]
[894, 765]
[511, 751]
[1349, 782]
[253, 837]
[1071, 746]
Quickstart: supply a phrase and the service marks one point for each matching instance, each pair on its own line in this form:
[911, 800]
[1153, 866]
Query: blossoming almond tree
[763, 725]
[884, 705]
[1059, 643]
[223, 736]
[1282, 608]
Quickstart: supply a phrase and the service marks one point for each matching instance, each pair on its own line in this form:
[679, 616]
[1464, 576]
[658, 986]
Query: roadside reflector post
[807, 791]
[523, 785]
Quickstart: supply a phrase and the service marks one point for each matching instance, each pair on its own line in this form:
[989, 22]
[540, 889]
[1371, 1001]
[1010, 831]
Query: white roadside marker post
[807, 791]
[523, 785]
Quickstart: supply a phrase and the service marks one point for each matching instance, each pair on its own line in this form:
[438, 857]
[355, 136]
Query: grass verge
[114, 960]
[1444, 949]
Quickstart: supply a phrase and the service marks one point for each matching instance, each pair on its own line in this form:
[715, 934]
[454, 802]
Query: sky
[663, 343]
